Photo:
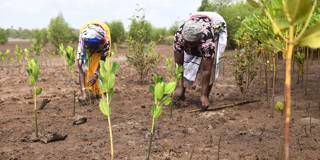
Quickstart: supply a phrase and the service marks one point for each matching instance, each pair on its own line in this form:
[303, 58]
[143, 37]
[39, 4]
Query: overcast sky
[37, 13]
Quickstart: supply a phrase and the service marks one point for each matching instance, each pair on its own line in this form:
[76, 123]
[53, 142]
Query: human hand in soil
[179, 93]
[83, 95]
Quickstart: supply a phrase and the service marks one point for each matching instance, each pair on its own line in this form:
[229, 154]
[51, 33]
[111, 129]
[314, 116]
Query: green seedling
[279, 106]
[107, 80]
[175, 74]
[7, 55]
[2, 56]
[36, 47]
[162, 97]
[19, 54]
[33, 76]
[69, 54]
[26, 54]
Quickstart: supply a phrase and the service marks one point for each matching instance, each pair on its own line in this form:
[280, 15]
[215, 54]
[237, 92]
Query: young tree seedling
[2, 56]
[19, 57]
[174, 74]
[7, 56]
[162, 97]
[19, 54]
[33, 76]
[290, 20]
[107, 79]
[69, 54]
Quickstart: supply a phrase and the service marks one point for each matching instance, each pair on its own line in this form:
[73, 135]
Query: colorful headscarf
[193, 30]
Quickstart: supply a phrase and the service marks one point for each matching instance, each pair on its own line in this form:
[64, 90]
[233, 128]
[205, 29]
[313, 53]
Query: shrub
[39, 40]
[142, 55]
[59, 32]
[117, 31]
[3, 36]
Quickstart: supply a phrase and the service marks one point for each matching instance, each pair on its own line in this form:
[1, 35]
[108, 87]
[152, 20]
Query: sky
[37, 13]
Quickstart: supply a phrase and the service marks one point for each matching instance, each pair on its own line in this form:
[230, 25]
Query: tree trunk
[287, 93]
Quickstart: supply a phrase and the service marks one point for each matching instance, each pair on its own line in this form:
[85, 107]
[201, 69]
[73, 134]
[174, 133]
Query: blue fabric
[92, 43]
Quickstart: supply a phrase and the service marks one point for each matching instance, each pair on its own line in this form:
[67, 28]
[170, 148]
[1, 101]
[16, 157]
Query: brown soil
[242, 132]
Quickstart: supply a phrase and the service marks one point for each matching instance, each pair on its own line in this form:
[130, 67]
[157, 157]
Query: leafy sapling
[7, 56]
[162, 92]
[69, 54]
[19, 54]
[107, 79]
[26, 52]
[175, 74]
[2, 56]
[279, 106]
[19, 57]
[33, 76]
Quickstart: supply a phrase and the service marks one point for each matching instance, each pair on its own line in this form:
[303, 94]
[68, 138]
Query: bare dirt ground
[246, 132]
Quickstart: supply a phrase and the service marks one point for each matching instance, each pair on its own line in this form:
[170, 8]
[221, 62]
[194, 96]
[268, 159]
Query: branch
[307, 23]
[226, 106]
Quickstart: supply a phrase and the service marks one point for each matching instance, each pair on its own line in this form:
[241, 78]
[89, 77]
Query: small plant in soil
[162, 97]
[246, 70]
[107, 79]
[19, 54]
[69, 54]
[5, 55]
[174, 74]
[33, 76]
[26, 52]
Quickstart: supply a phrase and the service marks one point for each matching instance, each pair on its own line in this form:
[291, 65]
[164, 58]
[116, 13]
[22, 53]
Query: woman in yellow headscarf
[94, 45]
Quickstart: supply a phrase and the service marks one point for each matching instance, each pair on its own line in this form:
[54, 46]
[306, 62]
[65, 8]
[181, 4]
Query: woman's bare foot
[179, 93]
[204, 102]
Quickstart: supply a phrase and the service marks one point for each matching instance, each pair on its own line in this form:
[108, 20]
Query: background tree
[118, 33]
[158, 34]
[59, 32]
[232, 12]
[3, 36]
[142, 55]
[39, 40]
